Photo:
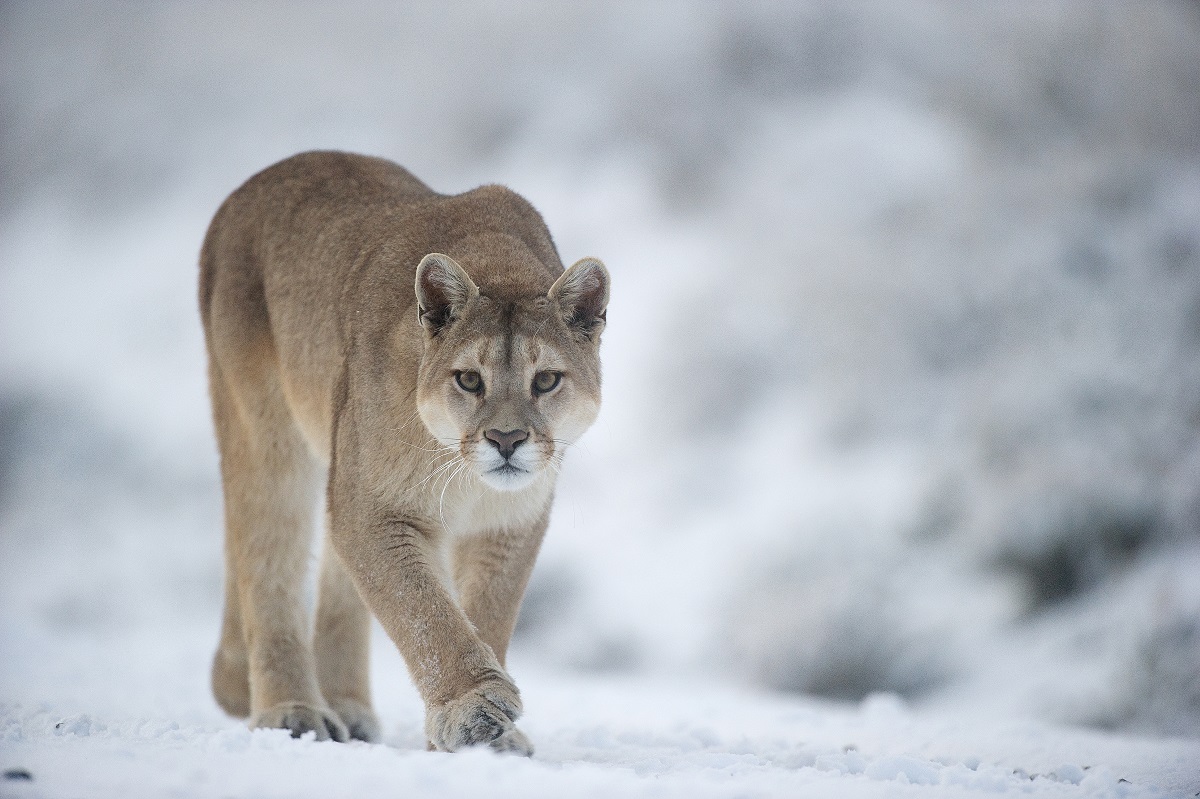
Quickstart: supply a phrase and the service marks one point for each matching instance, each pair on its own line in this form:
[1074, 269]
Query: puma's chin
[508, 477]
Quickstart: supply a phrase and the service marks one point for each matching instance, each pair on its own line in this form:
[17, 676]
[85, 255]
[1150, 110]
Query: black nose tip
[506, 443]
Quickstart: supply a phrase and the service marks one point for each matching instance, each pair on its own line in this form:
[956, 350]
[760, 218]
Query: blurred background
[903, 358]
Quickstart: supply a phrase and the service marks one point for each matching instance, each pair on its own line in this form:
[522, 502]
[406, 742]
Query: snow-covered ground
[597, 737]
[126, 714]
[895, 489]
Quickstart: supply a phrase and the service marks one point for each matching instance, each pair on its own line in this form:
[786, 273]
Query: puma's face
[509, 384]
[511, 400]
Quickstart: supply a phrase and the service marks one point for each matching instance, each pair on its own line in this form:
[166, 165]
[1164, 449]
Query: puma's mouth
[506, 471]
[507, 477]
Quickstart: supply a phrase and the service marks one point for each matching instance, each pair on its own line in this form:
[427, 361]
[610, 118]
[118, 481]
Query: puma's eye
[545, 382]
[469, 382]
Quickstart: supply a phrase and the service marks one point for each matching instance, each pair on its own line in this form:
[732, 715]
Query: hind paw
[361, 722]
[300, 718]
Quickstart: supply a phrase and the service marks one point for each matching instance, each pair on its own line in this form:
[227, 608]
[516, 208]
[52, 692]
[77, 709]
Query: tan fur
[343, 302]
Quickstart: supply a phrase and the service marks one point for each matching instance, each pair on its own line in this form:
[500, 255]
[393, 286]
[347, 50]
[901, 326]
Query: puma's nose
[506, 443]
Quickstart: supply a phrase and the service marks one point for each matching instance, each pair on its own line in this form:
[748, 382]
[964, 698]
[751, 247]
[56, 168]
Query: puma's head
[509, 382]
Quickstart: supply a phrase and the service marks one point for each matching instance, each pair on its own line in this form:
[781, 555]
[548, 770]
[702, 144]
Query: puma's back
[326, 237]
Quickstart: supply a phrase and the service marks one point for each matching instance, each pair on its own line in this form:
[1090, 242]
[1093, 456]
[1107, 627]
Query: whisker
[415, 415]
[439, 468]
[425, 449]
[442, 499]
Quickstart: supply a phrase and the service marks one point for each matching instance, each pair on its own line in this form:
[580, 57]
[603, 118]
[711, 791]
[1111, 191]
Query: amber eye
[469, 381]
[545, 382]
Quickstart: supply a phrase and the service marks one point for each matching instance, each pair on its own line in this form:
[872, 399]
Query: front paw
[300, 718]
[484, 715]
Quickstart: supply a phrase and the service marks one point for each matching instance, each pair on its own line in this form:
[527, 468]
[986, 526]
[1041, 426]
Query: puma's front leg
[469, 699]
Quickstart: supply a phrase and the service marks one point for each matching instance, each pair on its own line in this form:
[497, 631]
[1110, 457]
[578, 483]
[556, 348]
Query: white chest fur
[469, 506]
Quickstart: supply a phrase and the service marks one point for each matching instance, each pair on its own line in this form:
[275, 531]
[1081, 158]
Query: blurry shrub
[1076, 547]
[1162, 680]
[830, 626]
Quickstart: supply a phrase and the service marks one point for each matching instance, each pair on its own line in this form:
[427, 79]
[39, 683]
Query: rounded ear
[443, 288]
[582, 294]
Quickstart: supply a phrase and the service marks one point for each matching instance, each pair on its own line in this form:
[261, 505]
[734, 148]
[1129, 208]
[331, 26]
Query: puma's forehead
[501, 332]
[512, 349]
[525, 316]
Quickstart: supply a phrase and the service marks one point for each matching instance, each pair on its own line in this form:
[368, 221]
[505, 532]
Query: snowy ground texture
[896, 488]
[602, 738]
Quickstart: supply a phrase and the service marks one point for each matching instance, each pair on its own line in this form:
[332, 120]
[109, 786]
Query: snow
[600, 737]
[894, 487]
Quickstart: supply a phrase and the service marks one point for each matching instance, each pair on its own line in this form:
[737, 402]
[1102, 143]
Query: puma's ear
[582, 294]
[443, 288]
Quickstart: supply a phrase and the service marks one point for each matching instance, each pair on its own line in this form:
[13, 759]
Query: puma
[426, 360]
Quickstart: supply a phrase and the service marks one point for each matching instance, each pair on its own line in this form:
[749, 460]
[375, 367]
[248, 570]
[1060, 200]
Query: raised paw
[484, 715]
[361, 722]
[513, 742]
[300, 718]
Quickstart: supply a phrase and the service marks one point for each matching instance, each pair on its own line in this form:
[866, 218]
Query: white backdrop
[903, 361]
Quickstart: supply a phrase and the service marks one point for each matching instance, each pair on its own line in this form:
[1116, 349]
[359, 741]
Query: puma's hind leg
[231, 664]
[342, 648]
[491, 572]
[269, 478]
